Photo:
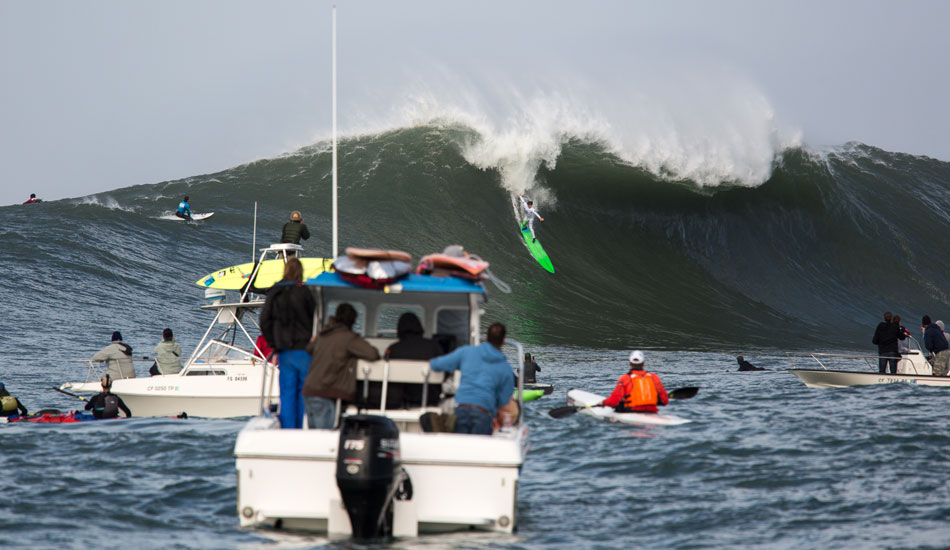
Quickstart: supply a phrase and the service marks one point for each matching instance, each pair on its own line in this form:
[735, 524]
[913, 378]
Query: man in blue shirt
[486, 381]
[184, 209]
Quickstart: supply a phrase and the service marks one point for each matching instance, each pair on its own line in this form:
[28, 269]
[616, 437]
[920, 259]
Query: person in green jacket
[295, 229]
[167, 355]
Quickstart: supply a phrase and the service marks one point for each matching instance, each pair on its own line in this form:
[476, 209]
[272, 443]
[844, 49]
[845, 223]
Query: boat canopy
[409, 283]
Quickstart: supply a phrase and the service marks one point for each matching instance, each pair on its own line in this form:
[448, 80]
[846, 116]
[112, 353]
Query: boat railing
[95, 369]
[833, 361]
[412, 373]
[278, 251]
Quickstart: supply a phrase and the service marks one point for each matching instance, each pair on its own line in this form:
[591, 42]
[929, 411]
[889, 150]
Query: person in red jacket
[638, 390]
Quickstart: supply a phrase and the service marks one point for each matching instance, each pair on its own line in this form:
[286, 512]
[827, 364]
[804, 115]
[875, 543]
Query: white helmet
[636, 357]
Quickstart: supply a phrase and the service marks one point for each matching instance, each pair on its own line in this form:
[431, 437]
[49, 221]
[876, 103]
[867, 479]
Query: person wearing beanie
[119, 358]
[294, 230]
[167, 355]
[638, 390]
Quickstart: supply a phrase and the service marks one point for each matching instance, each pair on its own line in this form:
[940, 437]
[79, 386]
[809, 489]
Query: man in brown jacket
[333, 367]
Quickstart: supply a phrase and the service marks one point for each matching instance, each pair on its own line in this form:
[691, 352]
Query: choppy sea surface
[766, 463]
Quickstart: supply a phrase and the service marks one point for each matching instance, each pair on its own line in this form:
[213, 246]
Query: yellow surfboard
[271, 271]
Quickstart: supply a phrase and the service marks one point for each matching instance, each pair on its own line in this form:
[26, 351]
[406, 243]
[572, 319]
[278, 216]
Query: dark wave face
[808, 259]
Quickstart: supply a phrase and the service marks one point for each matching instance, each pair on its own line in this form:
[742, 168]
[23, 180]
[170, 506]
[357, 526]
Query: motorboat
[297, 478]
[837, 370]
[226, 375]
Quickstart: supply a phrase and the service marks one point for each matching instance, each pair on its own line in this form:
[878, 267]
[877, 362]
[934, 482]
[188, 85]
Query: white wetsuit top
[529, 215]
[529, 212]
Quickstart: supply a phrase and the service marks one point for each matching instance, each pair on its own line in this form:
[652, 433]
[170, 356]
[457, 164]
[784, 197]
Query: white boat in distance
[912, 368]
[288, 478]
[223, 378]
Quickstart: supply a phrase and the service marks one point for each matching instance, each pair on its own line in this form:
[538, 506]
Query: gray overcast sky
[98, 95]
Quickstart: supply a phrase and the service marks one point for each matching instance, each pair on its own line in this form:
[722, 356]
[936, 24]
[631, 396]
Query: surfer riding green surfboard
[527, 232]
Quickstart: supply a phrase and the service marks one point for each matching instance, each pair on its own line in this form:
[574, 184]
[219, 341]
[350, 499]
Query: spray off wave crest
[706, 130]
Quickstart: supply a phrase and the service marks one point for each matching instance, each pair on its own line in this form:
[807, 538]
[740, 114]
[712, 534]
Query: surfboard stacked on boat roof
[377, 268]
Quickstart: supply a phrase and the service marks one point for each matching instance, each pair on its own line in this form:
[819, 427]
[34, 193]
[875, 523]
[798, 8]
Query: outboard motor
[369, 473]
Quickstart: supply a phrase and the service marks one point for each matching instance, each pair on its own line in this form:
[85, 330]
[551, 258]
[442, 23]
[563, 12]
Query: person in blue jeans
[486, 381]
[287, 325]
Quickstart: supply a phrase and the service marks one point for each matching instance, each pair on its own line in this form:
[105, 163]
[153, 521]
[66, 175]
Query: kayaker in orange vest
[638, 390]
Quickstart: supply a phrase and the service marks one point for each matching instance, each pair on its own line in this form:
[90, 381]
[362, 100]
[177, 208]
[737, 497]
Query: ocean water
[766, 463]
[806, 260]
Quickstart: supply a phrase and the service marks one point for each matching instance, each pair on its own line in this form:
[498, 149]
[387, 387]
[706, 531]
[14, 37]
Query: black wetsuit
[107, 405]
[530, 371]
[745, 366]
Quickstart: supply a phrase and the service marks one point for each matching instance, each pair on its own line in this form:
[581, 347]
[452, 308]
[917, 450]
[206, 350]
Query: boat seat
[405, 383]
[381, 344]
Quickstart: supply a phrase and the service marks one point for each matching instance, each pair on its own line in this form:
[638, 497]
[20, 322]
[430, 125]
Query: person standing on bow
[638, 390]
[287, 324]
[295, 229]
[119, 358]
[333, 369]
[886, 336]
[486, 381]
[106, 404]
[937, 345]
[529, 215]
[184, 209]
[9, 405]
[167, 355]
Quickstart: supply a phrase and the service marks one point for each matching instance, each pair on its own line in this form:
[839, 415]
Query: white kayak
[583, 398]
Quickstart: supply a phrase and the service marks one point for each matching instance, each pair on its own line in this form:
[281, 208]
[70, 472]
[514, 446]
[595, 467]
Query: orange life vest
[639, 390]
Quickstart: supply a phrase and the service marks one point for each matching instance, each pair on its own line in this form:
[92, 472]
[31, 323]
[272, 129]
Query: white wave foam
[709, 129]
[105, 201]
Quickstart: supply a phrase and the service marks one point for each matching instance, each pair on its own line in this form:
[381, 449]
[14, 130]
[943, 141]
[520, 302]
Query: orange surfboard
[453, 265]
[378, 254]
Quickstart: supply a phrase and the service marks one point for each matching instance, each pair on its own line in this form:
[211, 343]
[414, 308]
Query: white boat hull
[822, 378]
[234, 392]
[287, 479]
[583, 398]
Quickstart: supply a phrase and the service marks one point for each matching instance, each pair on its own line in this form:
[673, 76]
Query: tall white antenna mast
[335, 220]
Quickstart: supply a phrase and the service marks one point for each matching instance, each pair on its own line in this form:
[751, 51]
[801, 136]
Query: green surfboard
[537, 250]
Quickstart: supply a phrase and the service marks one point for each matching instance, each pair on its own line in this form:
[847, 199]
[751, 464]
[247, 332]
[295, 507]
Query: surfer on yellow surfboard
[529, 214]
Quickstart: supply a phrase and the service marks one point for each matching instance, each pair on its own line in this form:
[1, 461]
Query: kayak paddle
[561, 412]
[70, 394]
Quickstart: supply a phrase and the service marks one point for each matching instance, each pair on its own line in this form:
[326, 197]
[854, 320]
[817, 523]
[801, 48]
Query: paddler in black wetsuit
[745, 365]
[9, 405]
[530, 369]
[294, 230]
[107, 404]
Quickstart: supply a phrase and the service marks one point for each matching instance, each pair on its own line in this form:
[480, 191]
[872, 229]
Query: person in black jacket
[294, 230]
[886, 336]
[287, 325]
[412, 344]
[107, 404]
